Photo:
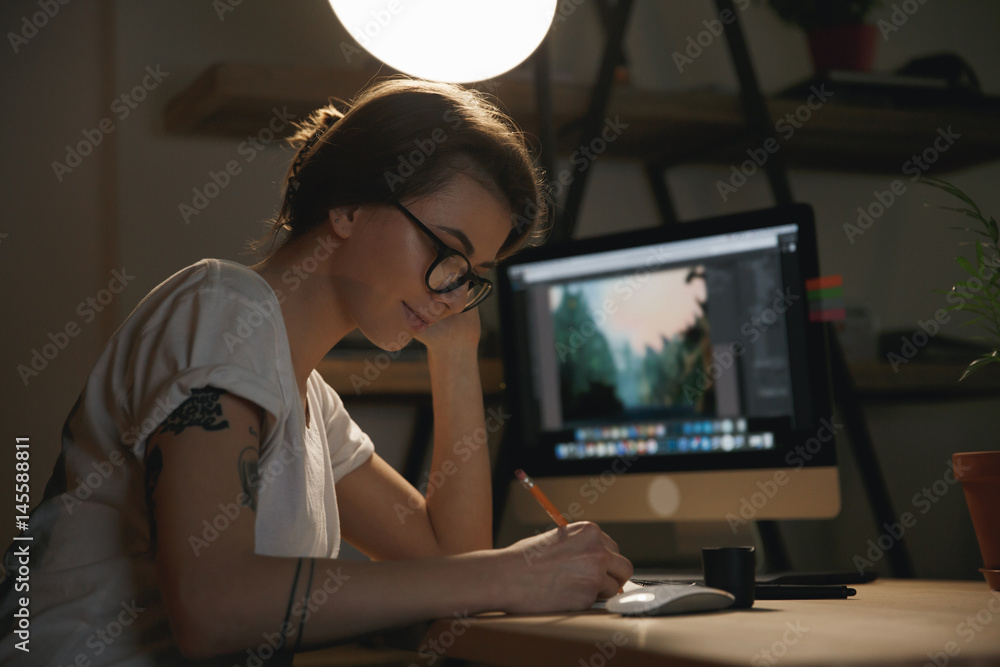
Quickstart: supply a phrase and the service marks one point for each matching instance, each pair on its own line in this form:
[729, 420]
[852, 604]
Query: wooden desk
[889, 622]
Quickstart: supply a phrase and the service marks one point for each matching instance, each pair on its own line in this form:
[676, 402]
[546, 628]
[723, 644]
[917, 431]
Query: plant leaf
[968, 308]
[965, 264]
[971, 231]
[950, 189]
[976, 215]
[981, 302]
[972, 321]
[988, 358]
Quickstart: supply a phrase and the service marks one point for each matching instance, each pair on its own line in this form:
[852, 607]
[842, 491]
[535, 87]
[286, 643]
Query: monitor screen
[680, 361]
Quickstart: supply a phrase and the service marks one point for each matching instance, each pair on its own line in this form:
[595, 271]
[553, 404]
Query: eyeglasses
[451, 269]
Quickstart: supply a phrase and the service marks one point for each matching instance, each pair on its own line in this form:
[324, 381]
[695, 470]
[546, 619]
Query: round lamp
[460, 41]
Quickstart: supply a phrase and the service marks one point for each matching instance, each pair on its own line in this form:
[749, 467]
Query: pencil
[543, 500]
[546, 504]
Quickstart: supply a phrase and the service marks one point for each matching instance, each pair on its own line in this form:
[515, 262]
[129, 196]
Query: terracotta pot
[847, 47]
[979, 473]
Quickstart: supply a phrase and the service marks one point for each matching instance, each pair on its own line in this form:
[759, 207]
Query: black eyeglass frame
[444, 251]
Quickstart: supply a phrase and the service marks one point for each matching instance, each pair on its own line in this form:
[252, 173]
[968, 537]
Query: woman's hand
[564, 569]
[461, 330]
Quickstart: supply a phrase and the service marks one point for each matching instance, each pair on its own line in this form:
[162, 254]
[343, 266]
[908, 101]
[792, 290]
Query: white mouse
[662, 599]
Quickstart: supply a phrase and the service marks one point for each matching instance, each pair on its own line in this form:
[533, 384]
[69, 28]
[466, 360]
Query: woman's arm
[383, 515]
[459, 493]
[221, 597]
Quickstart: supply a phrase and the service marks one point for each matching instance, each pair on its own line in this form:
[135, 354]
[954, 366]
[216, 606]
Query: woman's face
[388, 296]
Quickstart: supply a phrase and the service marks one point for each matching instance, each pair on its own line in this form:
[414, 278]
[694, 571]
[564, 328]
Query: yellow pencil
[543, 500]
[546, 504]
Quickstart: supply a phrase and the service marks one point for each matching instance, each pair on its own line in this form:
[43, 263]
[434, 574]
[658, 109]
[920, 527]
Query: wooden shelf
[359, 376]
[238, 100]
[878, 379]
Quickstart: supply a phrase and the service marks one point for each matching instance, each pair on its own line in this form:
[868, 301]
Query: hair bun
[309, 133]
[319, 122]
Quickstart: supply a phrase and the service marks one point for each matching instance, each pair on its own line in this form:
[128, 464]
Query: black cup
[731, 569]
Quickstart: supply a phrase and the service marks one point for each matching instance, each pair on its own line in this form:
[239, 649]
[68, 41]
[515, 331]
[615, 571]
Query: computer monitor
[671, 373]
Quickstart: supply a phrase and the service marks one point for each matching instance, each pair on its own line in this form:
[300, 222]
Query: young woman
[208, 473]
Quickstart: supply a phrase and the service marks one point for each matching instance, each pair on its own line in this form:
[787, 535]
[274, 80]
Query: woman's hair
[401, 139]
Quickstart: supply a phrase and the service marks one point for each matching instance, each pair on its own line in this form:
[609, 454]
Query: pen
[546, 504]
[801, 592]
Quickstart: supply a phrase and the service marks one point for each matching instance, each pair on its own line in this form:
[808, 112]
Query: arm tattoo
[202, 409]
[249, 477]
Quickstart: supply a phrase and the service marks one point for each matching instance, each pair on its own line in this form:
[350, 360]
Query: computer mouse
[664, 599]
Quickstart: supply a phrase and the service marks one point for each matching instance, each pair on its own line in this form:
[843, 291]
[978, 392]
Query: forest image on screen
[628, 346]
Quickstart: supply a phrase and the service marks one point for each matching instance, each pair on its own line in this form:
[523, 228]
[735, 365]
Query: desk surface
[888, 622]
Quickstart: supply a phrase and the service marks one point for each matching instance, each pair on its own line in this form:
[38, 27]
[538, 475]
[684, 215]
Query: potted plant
[839, 37]
[979, 296]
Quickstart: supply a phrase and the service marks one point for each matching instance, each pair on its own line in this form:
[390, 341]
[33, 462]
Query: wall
[118, 210]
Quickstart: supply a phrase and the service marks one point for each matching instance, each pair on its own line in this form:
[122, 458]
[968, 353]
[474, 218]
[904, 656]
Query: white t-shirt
[92, 588]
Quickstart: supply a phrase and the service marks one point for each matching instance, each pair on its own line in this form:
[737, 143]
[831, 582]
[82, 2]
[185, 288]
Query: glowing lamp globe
[460, 41]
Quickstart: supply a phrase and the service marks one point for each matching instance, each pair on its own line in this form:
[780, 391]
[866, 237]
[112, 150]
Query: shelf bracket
[754, 104]
[613, 56]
